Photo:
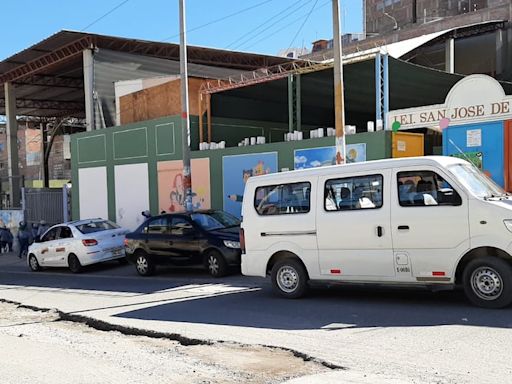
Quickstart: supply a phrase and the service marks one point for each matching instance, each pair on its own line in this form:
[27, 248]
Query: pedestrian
[10, 238]
[24, 238]
[3, 238]
[35, 228]
[43, 227]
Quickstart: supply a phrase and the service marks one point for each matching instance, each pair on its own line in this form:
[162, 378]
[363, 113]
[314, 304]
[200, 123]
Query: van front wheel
[488, 282]
[289, 278]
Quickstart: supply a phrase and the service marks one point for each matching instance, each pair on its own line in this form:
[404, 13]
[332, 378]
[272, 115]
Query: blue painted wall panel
[492, 146]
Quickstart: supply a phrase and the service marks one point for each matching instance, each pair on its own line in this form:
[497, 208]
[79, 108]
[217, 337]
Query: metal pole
[185, 120]
[339, 110]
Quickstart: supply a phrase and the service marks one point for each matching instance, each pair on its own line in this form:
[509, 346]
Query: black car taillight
[242, 240]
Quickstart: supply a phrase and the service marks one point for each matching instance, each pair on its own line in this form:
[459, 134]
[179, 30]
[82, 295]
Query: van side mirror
[448, 196]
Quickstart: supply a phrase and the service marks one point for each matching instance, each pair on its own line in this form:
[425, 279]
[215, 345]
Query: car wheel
[144, 265]
[289, 278]
[74, 264]
[217, 266]
[33, 263]
[488, 282]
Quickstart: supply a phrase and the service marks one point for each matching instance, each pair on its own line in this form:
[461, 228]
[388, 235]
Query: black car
[209, 238]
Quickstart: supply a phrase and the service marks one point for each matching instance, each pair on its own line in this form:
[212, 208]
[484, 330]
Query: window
[180, 226]
[50, 235]
[214, 220]
[158, 226]
[350, 193]
[283, 199]
[96, 226]
[421, 188]
[65, 233]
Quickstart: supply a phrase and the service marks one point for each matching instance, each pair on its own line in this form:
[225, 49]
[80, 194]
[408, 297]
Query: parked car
[435, 221]
[208, 237]
[76, 244]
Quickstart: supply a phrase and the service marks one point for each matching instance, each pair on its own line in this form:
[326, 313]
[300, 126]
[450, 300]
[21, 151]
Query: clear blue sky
[27, 22]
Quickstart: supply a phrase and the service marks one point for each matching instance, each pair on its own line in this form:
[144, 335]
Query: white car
[77, 243]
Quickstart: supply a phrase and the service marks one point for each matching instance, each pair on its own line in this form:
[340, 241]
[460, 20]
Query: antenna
[463, 154]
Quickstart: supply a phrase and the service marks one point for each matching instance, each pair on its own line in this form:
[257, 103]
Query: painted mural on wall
[11, 219]
[322, 156]
[131, 198]
[237, 169]
[33, 146]
[171, 196]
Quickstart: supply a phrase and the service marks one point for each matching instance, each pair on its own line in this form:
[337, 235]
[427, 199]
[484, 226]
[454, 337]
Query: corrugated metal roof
[56, 88]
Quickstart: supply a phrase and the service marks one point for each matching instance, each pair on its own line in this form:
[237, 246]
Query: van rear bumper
[254, 264]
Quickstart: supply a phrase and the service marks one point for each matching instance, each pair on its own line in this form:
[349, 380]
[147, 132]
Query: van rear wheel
[488, 282]
[289, 278]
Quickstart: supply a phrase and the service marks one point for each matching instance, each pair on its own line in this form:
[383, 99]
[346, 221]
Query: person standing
[34, 230]
[43, 227]
[24, 238]
[9, 238]
[3, 238]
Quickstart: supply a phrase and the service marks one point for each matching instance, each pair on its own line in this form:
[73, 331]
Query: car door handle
[403, 227]
[380, 231]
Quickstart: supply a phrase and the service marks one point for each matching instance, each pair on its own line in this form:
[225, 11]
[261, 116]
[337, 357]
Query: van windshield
[476, 181]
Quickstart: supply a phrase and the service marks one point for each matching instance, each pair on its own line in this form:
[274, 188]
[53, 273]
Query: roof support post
[209, 116]
[12, 145]
[449, 54]
[89, 89]
[298, 111]
[500, 52]
[291, 118]
[385, 88]
[381, 89]
[44, 163]
[378, 89]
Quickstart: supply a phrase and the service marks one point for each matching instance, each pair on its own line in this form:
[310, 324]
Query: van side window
[361, 192]
[421, 188]
[283, 199]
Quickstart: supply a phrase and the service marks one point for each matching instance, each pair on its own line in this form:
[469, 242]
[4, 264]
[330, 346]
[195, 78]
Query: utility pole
[185, 120]
[339, 108]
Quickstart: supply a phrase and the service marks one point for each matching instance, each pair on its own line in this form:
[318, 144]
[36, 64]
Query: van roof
[372, 165]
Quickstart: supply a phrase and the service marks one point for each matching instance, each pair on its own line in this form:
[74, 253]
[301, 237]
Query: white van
[433, 220]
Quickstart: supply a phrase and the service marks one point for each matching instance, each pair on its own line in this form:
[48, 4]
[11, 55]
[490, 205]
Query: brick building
[383, 16]
[453, 31]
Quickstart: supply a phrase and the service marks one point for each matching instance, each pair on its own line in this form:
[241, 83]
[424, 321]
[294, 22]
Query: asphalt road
[410, 334]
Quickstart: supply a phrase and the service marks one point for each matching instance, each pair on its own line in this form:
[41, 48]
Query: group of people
[26, 235]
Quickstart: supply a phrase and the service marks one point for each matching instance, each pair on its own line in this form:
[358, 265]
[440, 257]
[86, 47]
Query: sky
[261, 26]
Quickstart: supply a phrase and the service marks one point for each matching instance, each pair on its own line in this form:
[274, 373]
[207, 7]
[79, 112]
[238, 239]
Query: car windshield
[96, 226]
[476, 181]
[215, 220]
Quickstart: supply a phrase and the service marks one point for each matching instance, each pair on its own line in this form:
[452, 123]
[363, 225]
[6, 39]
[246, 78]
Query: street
[358, 333]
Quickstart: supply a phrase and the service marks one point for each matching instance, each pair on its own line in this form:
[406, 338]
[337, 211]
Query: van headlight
[508, 224]
[234, 244]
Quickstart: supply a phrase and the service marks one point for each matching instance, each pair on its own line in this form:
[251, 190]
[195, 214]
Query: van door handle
[403, 227]
[380, 231]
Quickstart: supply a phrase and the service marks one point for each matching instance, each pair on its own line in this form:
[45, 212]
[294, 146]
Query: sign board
[475, 98]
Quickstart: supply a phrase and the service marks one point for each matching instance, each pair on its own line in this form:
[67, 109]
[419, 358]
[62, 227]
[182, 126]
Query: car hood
[232, 233]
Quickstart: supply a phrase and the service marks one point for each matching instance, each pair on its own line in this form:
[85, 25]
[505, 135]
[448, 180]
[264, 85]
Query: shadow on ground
[330, 309]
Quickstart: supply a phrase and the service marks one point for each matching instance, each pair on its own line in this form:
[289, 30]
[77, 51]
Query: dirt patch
[38, 347]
